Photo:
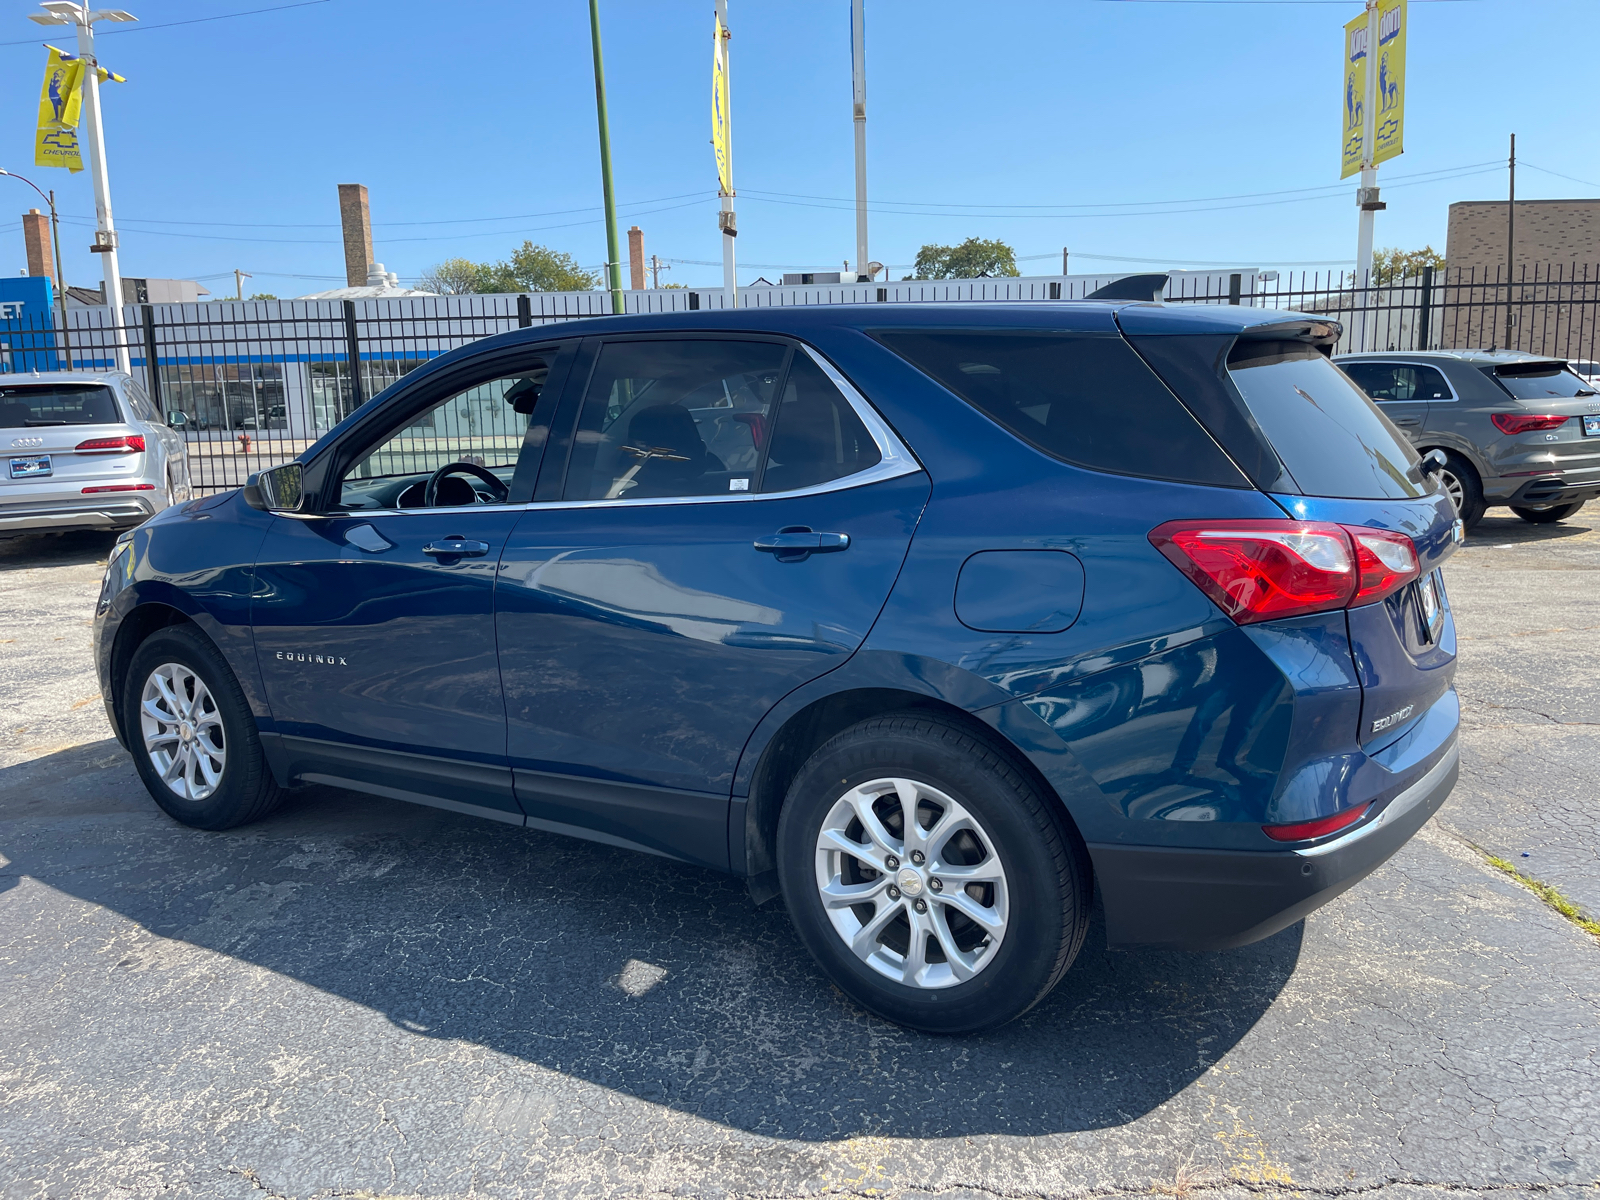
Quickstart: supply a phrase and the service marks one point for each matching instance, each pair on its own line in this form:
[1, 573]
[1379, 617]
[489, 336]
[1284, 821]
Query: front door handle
[796, 543]
[456, 547]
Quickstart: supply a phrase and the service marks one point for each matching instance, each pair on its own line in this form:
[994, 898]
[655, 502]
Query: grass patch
[1548, 894]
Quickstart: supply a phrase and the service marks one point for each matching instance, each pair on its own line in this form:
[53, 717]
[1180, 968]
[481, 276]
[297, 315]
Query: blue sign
[27, 325]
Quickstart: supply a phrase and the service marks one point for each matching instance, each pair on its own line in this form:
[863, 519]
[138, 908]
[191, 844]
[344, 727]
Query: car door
[374, 619]
[725, 525]
[1403, 391]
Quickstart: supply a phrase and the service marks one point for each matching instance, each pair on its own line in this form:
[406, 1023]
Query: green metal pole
[613, 252]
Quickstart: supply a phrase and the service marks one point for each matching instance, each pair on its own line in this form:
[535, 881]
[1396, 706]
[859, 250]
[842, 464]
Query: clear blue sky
[474, 128]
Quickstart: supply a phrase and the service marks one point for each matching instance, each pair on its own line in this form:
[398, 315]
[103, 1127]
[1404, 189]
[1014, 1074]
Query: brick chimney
[356, 219]
[636, 259]
[36, 235]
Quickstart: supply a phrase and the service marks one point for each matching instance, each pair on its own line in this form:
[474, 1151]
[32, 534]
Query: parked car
[84, 451]
[1522, 430]
[927, 618]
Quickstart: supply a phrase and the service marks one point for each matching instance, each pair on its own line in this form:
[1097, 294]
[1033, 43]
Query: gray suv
[1516, 429]
[84, 451]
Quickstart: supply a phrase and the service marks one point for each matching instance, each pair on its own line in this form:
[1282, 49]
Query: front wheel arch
[132, 633]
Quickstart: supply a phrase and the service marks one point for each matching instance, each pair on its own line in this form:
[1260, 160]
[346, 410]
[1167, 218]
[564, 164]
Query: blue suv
[928, 619]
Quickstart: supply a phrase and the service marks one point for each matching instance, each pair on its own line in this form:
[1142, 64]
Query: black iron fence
[253, 384]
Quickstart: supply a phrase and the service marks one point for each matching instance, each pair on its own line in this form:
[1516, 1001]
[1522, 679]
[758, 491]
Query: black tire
[1549, 514]
[1047, 875]
[1470, 506]
[244, 790]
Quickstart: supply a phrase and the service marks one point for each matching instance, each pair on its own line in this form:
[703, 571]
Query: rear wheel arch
[808, 730]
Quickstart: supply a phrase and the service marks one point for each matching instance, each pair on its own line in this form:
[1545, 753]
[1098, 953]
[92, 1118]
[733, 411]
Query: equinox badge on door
[327, 660]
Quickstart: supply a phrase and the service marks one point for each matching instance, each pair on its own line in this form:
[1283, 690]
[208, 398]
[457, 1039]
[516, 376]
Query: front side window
[1332, 439]
[28, 406]
[1541, 381]
[478, 430]
[1390, 382]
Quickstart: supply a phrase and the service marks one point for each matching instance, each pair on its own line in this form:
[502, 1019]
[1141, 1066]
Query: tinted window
[1398, 381]
[816, 435]
[142, 408]
[674, 418]
[1542, 382]
[1085, 399]
[1331, 438]
[27, 405]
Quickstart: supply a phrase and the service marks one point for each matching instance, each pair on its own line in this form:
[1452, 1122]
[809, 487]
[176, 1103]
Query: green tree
[540, 269]
[452, 277]
[263, 296]
[1393, 265]
[973, 258]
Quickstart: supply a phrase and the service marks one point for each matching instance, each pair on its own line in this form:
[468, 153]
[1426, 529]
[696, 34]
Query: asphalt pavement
[356, 997]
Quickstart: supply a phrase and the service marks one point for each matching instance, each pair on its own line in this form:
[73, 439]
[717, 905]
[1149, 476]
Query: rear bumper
[1216, 899]
[111, 510]
[1543, 489]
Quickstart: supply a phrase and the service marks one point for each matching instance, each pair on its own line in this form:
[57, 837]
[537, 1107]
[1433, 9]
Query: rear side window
[1389, 382]
[1333, 441]
[1086, 399]
[816, 435]
[1541, 381]
[26, 405]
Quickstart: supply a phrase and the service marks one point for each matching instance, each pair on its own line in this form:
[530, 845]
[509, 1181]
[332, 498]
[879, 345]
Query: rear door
[724, 524]
[1403, 391]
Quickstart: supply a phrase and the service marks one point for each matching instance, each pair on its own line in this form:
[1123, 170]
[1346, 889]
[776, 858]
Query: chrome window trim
[895, 460]
[1404, 362]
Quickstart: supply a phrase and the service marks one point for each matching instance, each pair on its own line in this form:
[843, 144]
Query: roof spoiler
[1322, 334]
[1132, 287]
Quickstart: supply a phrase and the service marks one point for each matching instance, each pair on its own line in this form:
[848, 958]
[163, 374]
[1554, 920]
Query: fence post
[1425, 308]
[524, 312]
[1235, 287]
[353, 355]
[152, 370]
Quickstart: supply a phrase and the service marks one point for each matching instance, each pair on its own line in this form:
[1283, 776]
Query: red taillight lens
[1525, 422]
[1262, 570]
[1304, 831]
[1387, 562]
[120, 487]
[132, 444]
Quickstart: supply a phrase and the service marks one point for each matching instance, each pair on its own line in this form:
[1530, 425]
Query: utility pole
[64, 12]
[1367, 190]
[613, 250]
[1511, 239]
[727, 220]
[858, 90]
[238, 282]
[656, 267]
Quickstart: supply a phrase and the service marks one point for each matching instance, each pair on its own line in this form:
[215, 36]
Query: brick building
[1548, 232]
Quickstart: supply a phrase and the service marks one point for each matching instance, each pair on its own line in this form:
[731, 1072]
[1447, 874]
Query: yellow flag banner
[721, 111]
[1355, 95]
[60, 103]
[1389, 140]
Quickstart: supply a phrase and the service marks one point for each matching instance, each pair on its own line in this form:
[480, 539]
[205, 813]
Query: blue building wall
[27, 325]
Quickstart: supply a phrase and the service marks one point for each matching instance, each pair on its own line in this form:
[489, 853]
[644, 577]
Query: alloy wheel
[182, 731]
[1452, 486]
[912, 883]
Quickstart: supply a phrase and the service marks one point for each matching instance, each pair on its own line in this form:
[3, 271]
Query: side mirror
[278, 489]
[177, 420]
[1432, 462]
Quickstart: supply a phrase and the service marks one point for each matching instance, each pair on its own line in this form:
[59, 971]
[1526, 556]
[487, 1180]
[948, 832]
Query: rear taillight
[120, 487]
[1264, 570]
[1525, 422]
[1304, 831]
[1387, 562]
[133, 443]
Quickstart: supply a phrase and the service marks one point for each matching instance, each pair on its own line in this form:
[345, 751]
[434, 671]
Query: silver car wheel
[182, 731]
[1453, 488]
[912, 883]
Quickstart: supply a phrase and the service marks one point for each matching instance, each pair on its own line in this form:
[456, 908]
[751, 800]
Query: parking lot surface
[356, 997]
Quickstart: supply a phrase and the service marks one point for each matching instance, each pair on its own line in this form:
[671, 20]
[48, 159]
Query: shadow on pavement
[55, 549]
[1500, 526]
[642, 975]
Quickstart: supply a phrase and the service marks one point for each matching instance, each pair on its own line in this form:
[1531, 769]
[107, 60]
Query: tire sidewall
[225, 805]
[1026, 964]
[1472, 502]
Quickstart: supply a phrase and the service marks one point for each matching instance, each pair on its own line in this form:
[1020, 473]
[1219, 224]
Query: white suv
[84, 451]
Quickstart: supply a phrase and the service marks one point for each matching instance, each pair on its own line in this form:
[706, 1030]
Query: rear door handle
[1406, 422]
[456, 547]
[796, 543]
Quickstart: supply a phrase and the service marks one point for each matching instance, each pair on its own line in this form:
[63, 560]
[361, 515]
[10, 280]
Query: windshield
[1331, 438]
[1541, 381]
[24, 406]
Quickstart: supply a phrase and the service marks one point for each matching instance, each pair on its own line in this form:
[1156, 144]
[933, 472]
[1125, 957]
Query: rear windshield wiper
[30, 423]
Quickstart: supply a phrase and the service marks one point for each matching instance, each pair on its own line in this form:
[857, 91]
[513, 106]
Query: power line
[190, 21]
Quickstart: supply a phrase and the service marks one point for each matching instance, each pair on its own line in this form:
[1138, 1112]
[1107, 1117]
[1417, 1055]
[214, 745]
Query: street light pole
[858, 82]
[726, 220]
[613, 249]
[1367, 190]
[55, 236]
[64, 12]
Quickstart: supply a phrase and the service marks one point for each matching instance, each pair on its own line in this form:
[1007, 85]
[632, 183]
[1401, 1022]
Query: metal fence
[257, 382]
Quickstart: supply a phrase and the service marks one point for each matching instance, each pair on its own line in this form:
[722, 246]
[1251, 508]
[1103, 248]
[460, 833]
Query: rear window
[1333, 441]
[1086, 399]
[1541, 381]
[24, 406]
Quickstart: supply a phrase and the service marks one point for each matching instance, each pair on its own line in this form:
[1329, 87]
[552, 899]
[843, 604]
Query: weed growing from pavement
[1548, 894]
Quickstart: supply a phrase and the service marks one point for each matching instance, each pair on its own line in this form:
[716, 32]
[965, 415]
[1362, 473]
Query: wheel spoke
[210, 771]
[990, 920]
[865, 942]
[961, 963]
[988, 871]
[175, 767]
[155, 712]
[881, 837]
[846, 895]
[153, 740]
[916, 961]
[833, 839]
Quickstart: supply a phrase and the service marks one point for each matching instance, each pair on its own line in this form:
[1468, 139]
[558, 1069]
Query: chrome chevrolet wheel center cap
[186, 731]
[910, 881]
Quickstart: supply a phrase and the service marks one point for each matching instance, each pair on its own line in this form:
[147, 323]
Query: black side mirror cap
[277, 489]
[1432, 462]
